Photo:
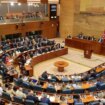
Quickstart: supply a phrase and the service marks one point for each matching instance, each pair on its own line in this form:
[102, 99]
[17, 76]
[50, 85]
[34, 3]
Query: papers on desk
[10, 60]
[28, 62]
[52, 98]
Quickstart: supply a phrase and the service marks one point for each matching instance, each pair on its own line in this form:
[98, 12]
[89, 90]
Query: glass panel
[23, 12]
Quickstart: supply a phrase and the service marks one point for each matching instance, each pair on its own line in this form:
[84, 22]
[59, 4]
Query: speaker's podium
[88, 52]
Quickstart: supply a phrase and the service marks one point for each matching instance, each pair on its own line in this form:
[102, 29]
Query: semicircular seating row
[39, 85]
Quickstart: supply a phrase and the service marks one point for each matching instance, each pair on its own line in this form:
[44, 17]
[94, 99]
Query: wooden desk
[49, 55]
[88, 98]
[86, 85]
[83, 44]
[44, 57]
[99, 69]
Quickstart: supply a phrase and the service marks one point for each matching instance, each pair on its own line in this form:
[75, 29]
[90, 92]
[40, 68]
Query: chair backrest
[37, 88]
[79, 104]
[52, 80]
[29, 102]
[51, 89]
[18, 82]
[65, 80]
[77, 91]
[6, 96]
[25, 84]
[102, 86]
[94, 103]
[98, 75]
[103, 72]
[18, 99]
[66, 91]
[42, 103]
[93, 88]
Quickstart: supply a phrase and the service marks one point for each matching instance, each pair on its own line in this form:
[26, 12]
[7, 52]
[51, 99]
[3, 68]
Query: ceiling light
[19, 4]
[12, 3]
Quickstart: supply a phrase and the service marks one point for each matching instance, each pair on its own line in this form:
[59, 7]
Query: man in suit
[45, 75]
[31, 96]
[46, 100]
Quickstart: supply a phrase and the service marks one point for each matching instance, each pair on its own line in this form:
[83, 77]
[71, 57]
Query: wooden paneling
[44, 1]
[22, 1]
[48, 56]
[49, 28]
[84, 44]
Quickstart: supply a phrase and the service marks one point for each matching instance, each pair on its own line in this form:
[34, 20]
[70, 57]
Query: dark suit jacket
[45, 100]
[33, 98]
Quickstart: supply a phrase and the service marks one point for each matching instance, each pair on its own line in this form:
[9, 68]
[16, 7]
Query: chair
[98, 75]
[26, 85]
[94, 103]
[18, 100]
[65, 80]
[1, 72]
[37, 88]
[90, 78]
[66, 91]
[103, 73]
[93, 88]
[29, 102]
[52, 80]
[51, 90]
[18, 82]
[41, 79]
[6, 96]
[79, 103]
[101, 86]
[78, 91]
[42, 103]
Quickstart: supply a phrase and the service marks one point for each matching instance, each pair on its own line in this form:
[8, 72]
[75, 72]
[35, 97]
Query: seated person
[62, 44]
[44, 99]
[20, 93]
[45, 75]
[69, 36]
[32, 96]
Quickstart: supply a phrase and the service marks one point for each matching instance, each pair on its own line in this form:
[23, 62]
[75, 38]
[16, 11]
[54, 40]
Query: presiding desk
[43, 57]
[84, 44]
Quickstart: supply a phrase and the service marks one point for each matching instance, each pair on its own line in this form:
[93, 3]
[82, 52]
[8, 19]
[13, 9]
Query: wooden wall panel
[49, 28]
[22, 1]
[44, 1]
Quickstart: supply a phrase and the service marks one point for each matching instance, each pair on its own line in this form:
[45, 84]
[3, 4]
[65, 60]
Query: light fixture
[30, 4]
[36, 5]
[12, 3]
[19, 4]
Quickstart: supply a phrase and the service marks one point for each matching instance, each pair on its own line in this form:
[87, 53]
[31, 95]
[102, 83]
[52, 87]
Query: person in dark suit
[32, 97]
[40, 51]
[46, 100]
[45, 75]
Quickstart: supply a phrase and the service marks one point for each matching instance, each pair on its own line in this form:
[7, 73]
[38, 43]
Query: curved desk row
[44, 57]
